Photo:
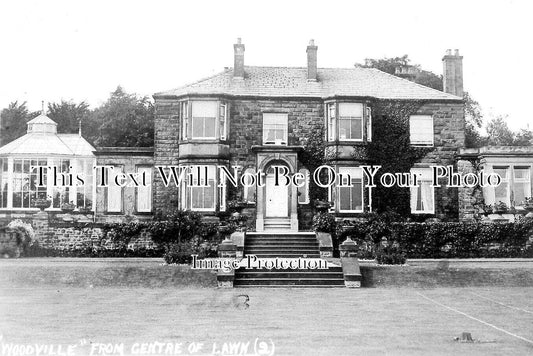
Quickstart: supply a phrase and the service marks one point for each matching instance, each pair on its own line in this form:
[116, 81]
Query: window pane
[351, 109]
[423, 196]
[198, 127]
[522, 191]
[204, 108]
[356, 195]
[356, 129]
[209, 123]
[344, 196]
[344, 129]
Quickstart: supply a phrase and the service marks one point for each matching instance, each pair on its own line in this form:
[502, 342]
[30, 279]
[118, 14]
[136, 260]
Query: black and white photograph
[231, 177]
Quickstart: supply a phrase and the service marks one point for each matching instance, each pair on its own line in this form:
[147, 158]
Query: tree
[420, 76]
[67, 115]
[499, 134]
[473, 123]
[13, 121]
[524, 137]
[124, 120]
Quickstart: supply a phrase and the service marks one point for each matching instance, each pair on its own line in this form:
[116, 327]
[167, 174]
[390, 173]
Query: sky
[82, 50]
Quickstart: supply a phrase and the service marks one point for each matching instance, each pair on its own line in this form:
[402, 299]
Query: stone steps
[286, 244]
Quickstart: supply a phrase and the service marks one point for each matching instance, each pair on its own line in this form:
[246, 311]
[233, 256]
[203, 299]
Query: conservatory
[66, 155]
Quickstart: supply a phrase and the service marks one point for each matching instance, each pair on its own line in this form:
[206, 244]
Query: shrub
[444, 239]
[390, 254]
[182, 252]
[177, 226]
[324, 222]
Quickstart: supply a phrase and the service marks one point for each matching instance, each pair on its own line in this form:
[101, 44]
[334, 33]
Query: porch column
[260, 209]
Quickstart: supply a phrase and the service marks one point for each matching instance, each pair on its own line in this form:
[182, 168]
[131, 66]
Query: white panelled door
[277, 198]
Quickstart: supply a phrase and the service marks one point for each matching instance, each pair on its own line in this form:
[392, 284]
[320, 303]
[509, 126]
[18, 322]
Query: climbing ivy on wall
[313, 157]
[391, 148]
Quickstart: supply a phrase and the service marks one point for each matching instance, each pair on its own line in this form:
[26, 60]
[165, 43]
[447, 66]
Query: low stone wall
[56, 234]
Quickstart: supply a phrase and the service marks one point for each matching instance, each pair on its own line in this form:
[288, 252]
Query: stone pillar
[227, 250]
[466, 198]
[325, 245]
[238, 239]
[350, 264]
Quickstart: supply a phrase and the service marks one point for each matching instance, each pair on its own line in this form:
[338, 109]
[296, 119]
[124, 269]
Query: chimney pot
[453, 73]
[312, 69]
[238, 59]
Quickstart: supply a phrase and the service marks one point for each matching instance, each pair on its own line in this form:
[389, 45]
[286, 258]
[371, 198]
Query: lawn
[368, 321]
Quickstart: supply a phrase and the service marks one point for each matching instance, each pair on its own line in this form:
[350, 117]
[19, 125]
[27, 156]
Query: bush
[390, 254]
[443, 239]
[324, 222]
[176, 227]
[182, 252]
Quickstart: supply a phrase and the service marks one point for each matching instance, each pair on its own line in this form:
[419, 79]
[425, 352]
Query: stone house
[257, 118]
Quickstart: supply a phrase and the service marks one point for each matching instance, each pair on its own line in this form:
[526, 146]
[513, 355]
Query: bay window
[203, 193]
[423, 195]
[350, 122]
[203, 120]
[347, 121]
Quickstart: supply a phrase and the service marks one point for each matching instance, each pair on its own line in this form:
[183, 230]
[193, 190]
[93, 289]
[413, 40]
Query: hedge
[443, 239]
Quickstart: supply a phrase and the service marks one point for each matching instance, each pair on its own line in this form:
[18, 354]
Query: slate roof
[292, 82]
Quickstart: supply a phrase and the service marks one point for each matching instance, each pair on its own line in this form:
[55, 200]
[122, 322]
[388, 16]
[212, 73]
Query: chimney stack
[311, 61]
[238, 62]
[453, 73]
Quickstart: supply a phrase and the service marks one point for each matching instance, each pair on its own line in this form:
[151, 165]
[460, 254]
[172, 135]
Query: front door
[277, 198]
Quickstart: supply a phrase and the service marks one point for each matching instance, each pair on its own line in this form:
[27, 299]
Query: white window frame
[250, 192]
[526, 181]
[184, 117]
[111, 187]
[276, 116]
[223, 120]
[144, 192]
[194, 120]
[304, 191]
[424, 175]
[331, 121]
[350, 118]
[356, 173]
[414, 125]
[368, 112]
[211, 177]
[489, 193]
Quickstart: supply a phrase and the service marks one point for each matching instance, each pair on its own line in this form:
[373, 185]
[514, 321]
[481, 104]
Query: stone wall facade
[166, 151]
[305, 116]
